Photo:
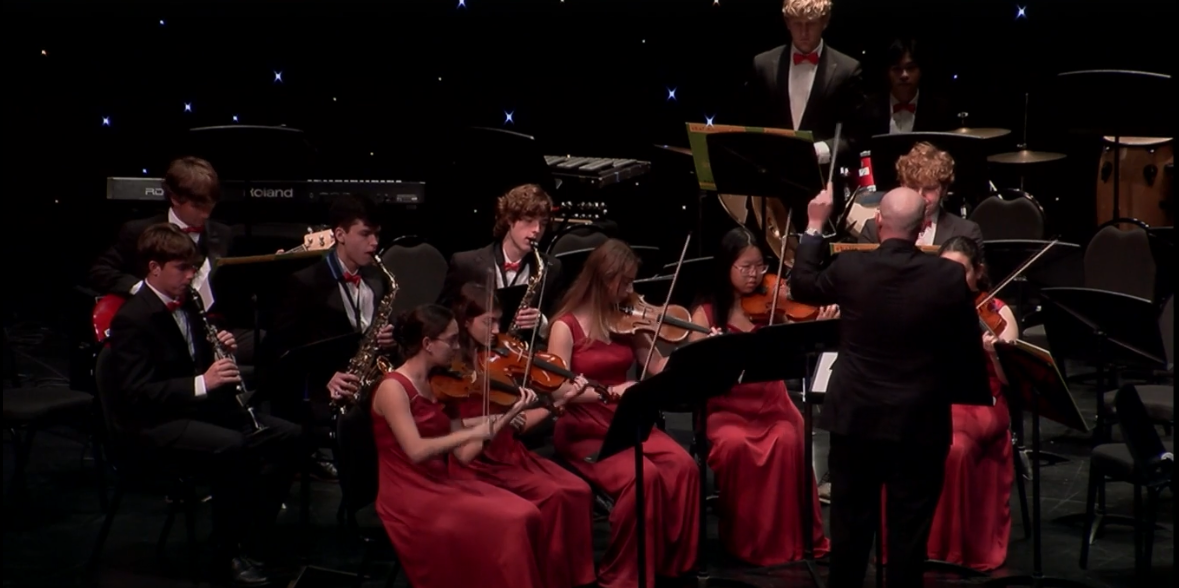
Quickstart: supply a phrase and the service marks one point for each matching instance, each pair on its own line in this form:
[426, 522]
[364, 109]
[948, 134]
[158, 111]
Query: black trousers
[913, 474]
[250, 473]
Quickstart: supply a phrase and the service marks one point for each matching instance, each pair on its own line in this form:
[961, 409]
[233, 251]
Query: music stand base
[1045, 457]
[1034, 581]
[811, 565]
[937, 565]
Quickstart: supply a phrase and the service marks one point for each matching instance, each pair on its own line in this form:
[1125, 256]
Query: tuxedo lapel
[329, 288]
[781, 84]
[165, 323]
[824, 73]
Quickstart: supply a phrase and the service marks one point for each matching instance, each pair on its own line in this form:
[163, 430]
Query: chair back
[1120, 259]
[577, 238]
[1012, 214]
[107, 392]
[356, 461]
[1151, 458]
[420, 270]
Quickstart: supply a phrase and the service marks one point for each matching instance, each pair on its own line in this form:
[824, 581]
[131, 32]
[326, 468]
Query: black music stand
[243, 286]
[308, 366]
[694, 276]
[1033, 376]
[969, 153]
[768, 165]
[706, 368]
[1063, 265]
[787, 352]
[1114, 103]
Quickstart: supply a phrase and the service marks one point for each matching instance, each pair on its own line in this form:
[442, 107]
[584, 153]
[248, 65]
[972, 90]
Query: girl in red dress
[581, 336]
[973, 520]
[755, 433]
[447, 531]
[564, 500]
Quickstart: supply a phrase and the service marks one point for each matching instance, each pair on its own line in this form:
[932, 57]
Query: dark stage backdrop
[97, 89]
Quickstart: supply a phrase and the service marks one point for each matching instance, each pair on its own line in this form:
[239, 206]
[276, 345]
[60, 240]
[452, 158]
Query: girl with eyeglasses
[447, 531]
[755, 432]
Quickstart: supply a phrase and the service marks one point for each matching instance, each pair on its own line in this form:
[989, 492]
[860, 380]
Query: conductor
[909, 348]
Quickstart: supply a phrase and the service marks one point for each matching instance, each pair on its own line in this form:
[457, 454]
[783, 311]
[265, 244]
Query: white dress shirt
[357, 296]
[802, 80]
[927, 235]
[901, 121]
[181, 318]
[200, 281]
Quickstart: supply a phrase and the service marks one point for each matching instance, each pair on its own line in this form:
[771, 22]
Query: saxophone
[369, 364]
[529, 294]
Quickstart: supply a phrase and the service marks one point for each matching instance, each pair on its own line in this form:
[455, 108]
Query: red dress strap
[410, 389]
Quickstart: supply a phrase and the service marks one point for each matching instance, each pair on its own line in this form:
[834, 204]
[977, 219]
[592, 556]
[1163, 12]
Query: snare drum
[1144, 188]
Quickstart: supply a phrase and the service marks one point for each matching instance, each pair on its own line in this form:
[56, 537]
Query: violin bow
[781, 264]
[1015, 274]
[659, 326]
[487, 354]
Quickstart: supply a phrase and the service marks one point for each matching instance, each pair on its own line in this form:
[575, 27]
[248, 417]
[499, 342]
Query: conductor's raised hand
[222, 372]
[818, 210]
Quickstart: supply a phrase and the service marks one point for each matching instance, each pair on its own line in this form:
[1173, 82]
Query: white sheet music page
[823, 371]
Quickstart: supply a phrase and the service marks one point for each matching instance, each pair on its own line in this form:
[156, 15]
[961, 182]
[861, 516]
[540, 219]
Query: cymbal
[982, 133]
[1025, 156]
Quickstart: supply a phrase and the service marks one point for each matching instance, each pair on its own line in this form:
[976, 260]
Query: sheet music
[823, 371]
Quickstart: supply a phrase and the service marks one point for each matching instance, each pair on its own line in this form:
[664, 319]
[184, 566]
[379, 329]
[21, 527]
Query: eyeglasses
[451, 341]
[752, 270]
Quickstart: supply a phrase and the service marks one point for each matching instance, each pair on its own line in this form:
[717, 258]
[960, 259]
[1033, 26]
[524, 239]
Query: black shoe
[244, 572]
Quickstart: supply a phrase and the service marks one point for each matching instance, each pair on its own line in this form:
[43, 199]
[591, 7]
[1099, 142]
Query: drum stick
[834, 152]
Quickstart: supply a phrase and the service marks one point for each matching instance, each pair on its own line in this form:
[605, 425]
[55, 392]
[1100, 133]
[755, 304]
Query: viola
[988, 314]
[636, 314]
[545, 372]
[759, 305]
[460, 382]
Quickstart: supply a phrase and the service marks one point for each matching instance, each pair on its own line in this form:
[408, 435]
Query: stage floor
[48, 533]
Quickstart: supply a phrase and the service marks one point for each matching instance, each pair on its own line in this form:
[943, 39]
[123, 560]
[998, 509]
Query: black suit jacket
[948, 225]
[933, 115]
[118, 269]
[836, 96]
[473, 265]
[910, 343]
[152, 368]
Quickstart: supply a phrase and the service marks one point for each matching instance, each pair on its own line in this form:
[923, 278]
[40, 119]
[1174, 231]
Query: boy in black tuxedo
[334, 297]
[906, 107]
[521, 217]
[177, 400]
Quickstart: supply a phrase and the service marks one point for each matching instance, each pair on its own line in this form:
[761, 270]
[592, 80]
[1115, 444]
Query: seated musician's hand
[527, 398]
[518, 422]
[343, 385]
[221, 373]
[714, 331]
[226, 339]
[279, 252]
[528, 318]
[818, 210]
[385, 337]
[989, 342]
[577, 387]
[620, 389]
[829, 312]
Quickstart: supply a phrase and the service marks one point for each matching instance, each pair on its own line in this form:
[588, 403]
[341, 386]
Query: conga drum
[1144, 189]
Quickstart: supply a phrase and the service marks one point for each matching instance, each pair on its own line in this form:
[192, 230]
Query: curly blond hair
[925, 165]
[806, 9]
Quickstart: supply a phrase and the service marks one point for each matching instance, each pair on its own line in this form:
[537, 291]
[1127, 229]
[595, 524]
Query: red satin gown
[972, 524]
[973, 520]
[671, 479]
[564, 500]
[450, 532]
[756, 437]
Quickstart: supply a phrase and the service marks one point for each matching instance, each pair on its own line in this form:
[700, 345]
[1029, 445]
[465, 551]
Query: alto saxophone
[534, 283]
[369, 365]
[221, 352]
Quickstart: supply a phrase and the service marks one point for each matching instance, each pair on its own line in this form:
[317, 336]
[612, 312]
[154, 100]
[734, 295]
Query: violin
[636, 314]
[460, 381]
[508, 360]
[988, 316]
[761, 307]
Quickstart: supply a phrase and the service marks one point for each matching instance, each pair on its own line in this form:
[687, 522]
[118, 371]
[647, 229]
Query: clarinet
[221, 352]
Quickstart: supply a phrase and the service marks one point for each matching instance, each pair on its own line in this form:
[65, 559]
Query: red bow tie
[511, 266]
[193, 229]
[899, 107]
[811, 57]
[353, 279]
[174, 305]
